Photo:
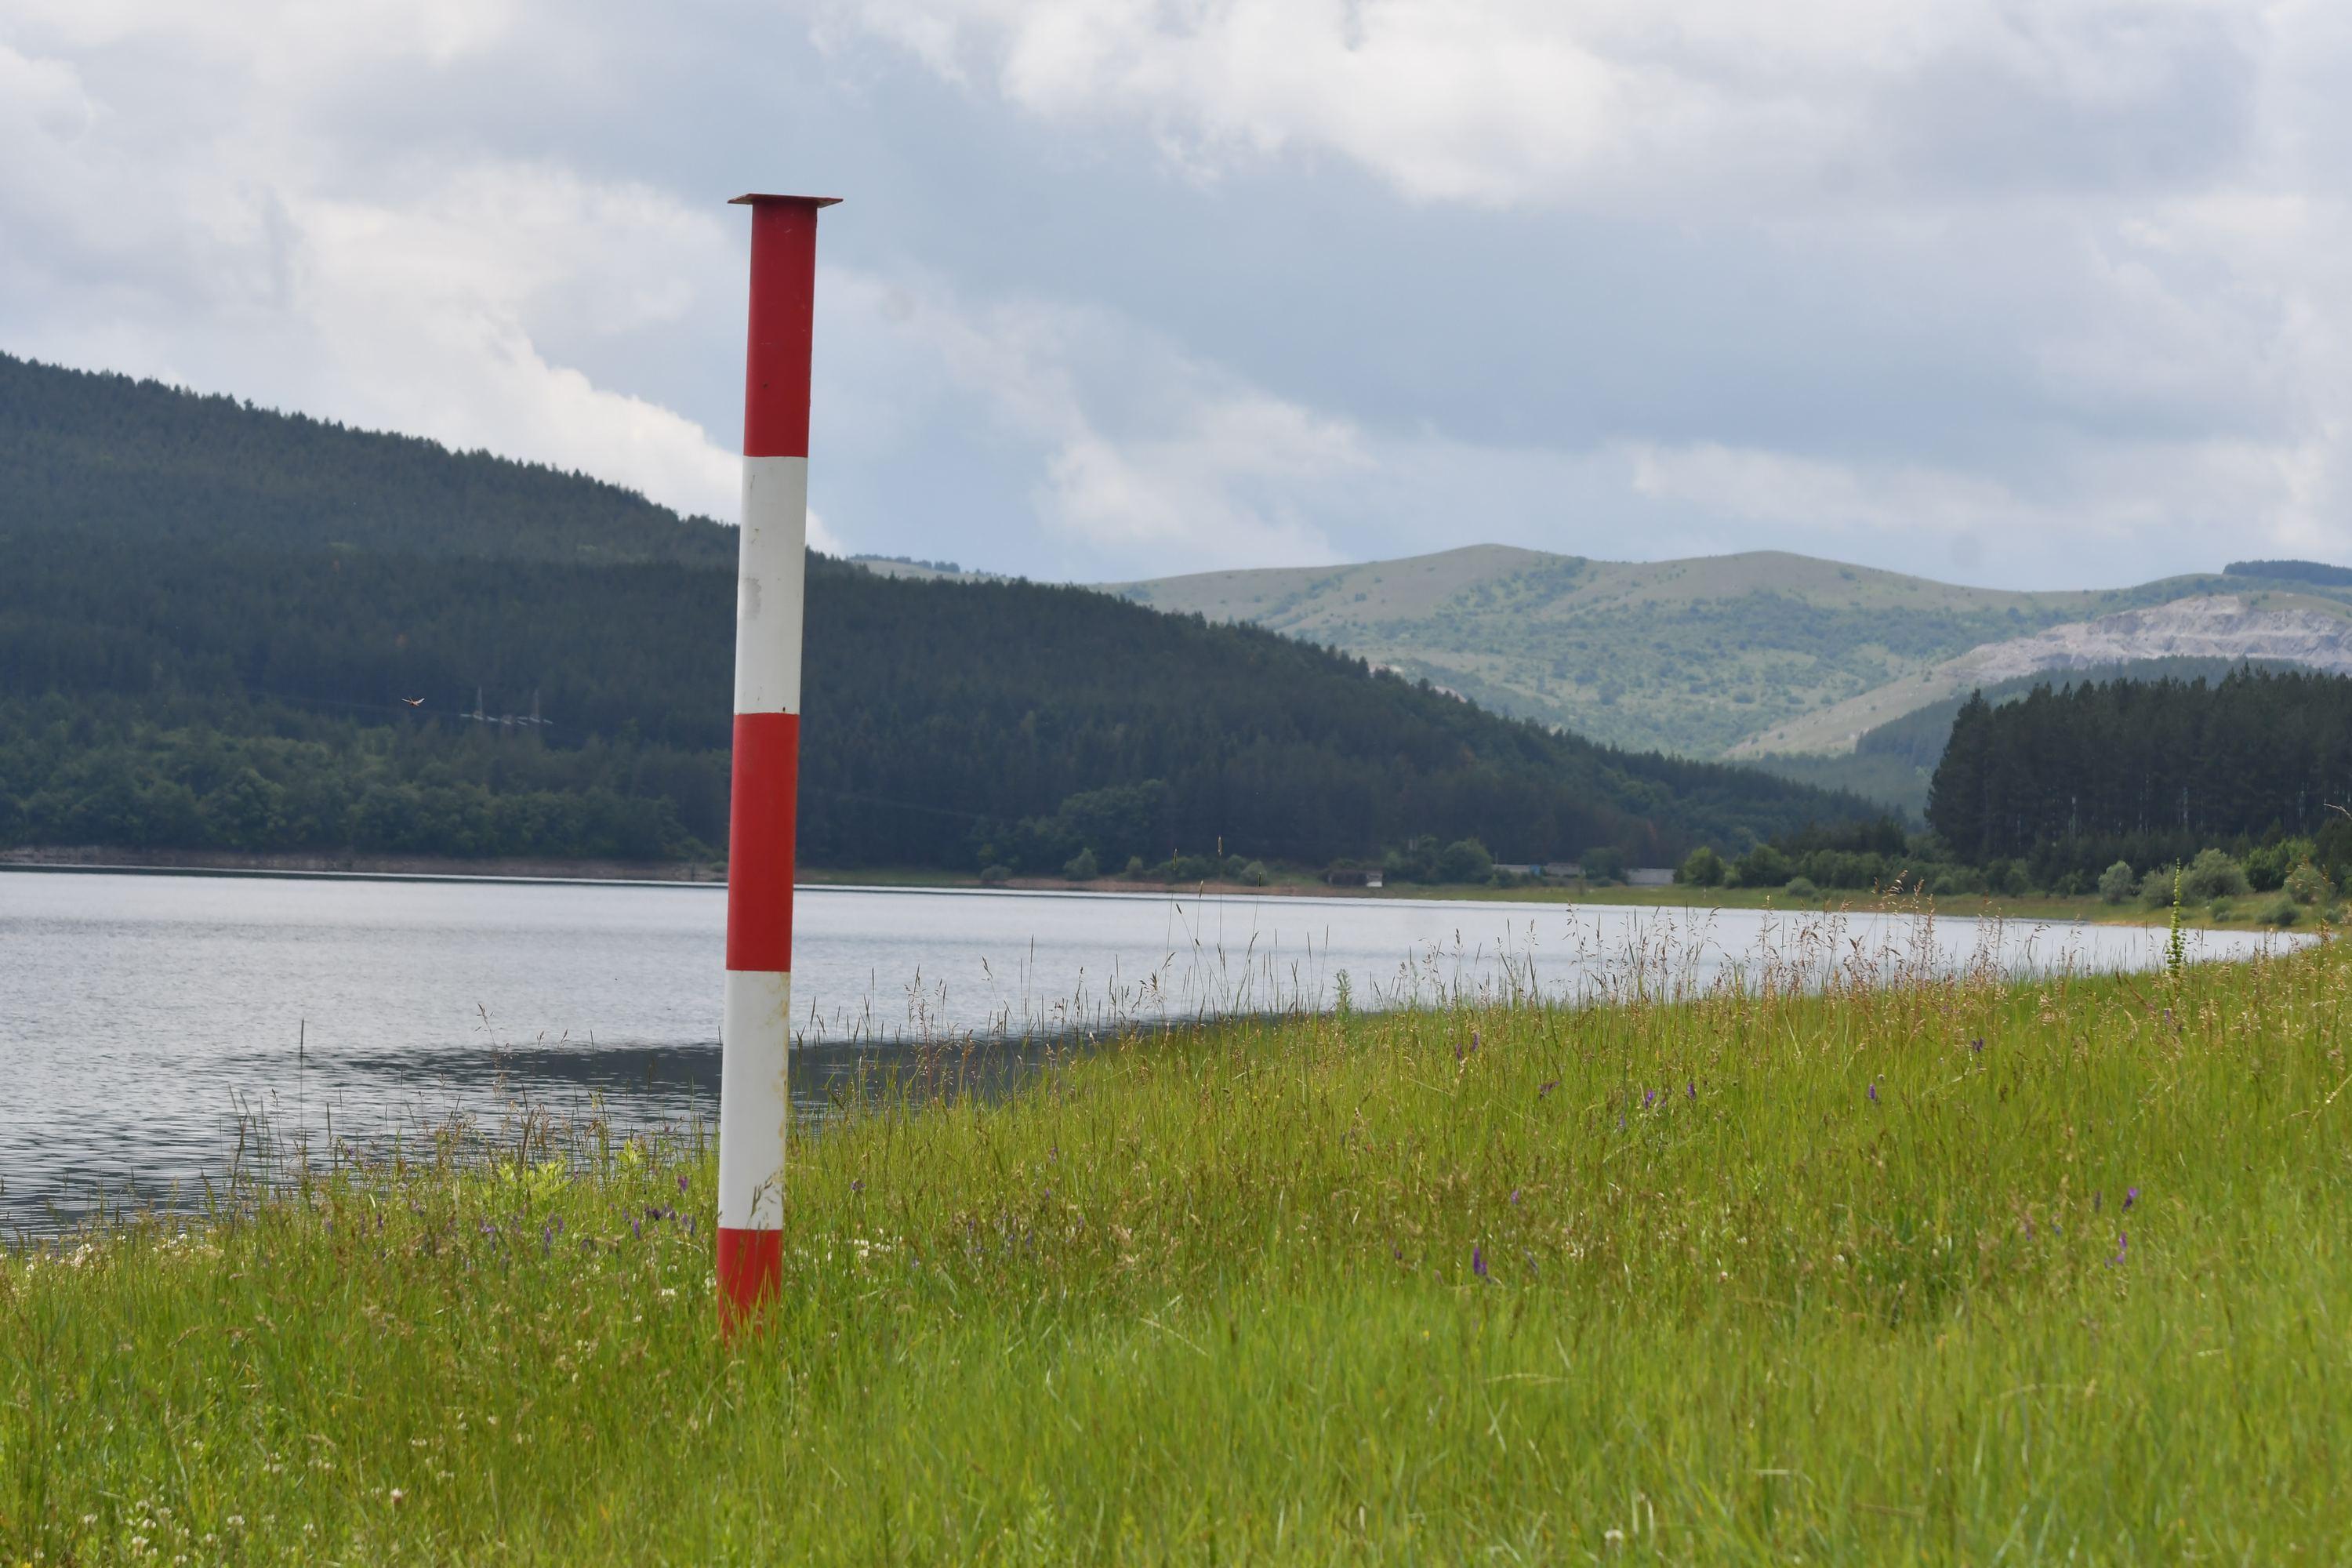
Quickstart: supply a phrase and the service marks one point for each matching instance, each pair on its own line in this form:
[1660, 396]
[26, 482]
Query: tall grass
[1925, 1266]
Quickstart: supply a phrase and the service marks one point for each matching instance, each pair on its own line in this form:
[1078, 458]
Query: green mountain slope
[199, 652]
[1694, 657]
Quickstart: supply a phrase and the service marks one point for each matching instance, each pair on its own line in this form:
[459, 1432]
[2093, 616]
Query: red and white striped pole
[755, 1026]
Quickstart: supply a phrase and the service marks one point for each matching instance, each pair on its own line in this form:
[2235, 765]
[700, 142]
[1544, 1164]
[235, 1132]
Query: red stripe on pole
[760, 820]
[783, 291]
[751, 1271]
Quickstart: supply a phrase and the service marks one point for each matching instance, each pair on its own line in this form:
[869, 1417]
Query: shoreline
[355, 868]
[352, 866]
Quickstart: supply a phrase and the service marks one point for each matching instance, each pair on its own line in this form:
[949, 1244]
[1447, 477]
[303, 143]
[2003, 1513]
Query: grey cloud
[2104, 101]
[2060, 277]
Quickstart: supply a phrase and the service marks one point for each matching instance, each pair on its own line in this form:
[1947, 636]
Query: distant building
[1649, 876]
[1354, 876]
[1520, 868]
[1564, 868]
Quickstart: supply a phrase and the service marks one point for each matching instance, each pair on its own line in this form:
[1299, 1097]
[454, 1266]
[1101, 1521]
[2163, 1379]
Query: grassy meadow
[1945, 1270]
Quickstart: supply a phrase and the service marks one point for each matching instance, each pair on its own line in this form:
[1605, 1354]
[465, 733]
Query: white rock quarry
[2313, 633]
[2219, 625]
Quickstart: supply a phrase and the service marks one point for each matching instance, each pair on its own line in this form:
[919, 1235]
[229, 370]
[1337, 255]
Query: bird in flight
[414, 701]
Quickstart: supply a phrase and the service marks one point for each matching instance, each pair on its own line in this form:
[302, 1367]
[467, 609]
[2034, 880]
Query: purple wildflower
[689, 1225]
[1478, 1260]
[1542, 1090]
[1474, 1040]
[859, 1186]
[1694, 1088]
[635, 1229]
[1648, 1099]
[1976, 1044]
[681, 1181]
[2122, 1245]
[2131, 1196]
[1515, 1195]
[1874, 1091]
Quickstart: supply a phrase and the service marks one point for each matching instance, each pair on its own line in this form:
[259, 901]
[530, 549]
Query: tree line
[2071, 780]
[2314, 571]
[945, 724]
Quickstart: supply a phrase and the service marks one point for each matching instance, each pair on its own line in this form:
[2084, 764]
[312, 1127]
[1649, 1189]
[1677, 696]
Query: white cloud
[1766, 487]
[1144, 454]
[1151, 461]
[2094, 517]
[2125, 219]
[306, 44]
[239, 255]
[1499, 102]
[1472, 99]
[425, 306]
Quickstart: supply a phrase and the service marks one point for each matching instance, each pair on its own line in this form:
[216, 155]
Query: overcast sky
[2048, 293]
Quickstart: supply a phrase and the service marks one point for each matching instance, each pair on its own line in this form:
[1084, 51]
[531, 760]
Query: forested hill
[198, 648]
[136, 461]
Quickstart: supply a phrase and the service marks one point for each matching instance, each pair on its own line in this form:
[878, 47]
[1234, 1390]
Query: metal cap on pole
[771, 563]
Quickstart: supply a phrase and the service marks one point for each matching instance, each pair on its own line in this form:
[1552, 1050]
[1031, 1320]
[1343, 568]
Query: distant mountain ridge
[1740, 656]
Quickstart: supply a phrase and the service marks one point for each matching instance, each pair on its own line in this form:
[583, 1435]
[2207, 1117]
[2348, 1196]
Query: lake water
[143, 1019]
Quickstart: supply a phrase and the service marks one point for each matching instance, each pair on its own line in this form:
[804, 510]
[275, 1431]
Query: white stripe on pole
[754, 1104]
[774, 565]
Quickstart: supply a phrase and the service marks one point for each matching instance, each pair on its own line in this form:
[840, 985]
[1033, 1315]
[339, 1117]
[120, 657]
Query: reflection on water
[147, 1022]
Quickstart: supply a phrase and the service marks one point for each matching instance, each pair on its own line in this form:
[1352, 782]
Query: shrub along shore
[1948, 1269]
